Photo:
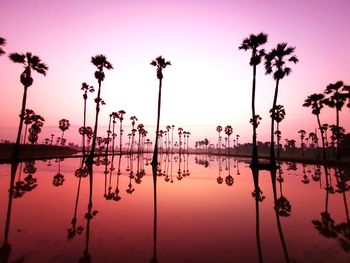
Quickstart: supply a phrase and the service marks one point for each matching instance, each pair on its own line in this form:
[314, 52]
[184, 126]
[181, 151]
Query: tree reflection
[154, 258]
[326, 226]
[58, 179]
[280, 207]
[29, 183]
[259, 197]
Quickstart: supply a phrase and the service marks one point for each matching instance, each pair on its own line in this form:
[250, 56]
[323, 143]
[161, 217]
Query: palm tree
[2, 43]
[278, 114]
[253, 43]
[172, 137]
[63, 124]
[275, 63]
[121, 118]
[28, 119]
[30, 62]
[86, 88]
[180, 130]
[160, 63]
[302, 144]
[228, 132]
[316, 101]
[133, 130]
[219, 130]
[140, 129]
[115, 115]
[337, 98]
[168, 128]
[101, 62]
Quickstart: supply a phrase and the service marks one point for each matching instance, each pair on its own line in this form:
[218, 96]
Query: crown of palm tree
[315, 101]
[278, 113]
[85, 87]
[160, 63]
[253, 42]
[29, 62]
[2, 43]
[274, 61]
[228, 130]
[337, 95]
[63, 124]
[219, 128]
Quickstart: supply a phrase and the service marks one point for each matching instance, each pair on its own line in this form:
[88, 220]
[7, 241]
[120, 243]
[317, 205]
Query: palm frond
[17, 58]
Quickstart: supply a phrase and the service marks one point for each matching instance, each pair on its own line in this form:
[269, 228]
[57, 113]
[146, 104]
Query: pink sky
[209, 83]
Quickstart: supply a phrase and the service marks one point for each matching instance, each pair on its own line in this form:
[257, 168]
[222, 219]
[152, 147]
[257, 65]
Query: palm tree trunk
[120, 138]
[155, 152]
[272, 146]
[93, 146]
[338, 136]
[322, 138]
[24, 100]
[255, 159]
[25, 134]
[84, 124]
[109, 132]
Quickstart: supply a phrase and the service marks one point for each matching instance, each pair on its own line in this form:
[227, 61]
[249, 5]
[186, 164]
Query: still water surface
[209, 209]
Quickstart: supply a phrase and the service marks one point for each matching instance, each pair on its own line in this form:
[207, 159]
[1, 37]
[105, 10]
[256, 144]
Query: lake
[208, 209]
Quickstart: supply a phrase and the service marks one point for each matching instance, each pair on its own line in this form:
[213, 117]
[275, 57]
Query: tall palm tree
[121, 118]
[278, 114]
[86, 88]
[30, 62]
[2, 43]
[302, 144]
[275, 62]
[180, 130]
[168, 128]
[316, 102]
[253, 43]
[228, 132]
[140, 129]
[160, 63]
[101, 63]
[63, 124]
[28, 119]
[172, 137]
[336, 99]
[115, 116]
[219, 130]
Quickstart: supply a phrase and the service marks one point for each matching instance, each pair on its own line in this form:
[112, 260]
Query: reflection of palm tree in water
[74, 230]
[154, 173]
[58, 179]
[130, 189]
[282, 205]
[229, 178]
[259, 197]
[279, 226]
[179, 176]
[5, 249]
[219, 179]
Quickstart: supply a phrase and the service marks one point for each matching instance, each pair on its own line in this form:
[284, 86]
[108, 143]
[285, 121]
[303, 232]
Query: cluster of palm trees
[275, 63]
[336, 96]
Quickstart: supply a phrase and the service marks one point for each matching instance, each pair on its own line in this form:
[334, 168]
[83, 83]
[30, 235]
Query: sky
[209, 81]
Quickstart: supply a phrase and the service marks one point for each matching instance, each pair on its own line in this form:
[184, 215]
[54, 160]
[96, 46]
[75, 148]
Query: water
[197, 219]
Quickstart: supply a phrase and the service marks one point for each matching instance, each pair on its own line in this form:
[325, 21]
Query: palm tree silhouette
[160, 63]
[337, 98]
[219, 130]
[28, 119]
[121, 118]
[63, 124]
[101, 62]
[140, 129]
[2, 43]
[278, 114]
[86, 88]
[275, 63]
[253, 42]
[302, 144]
[228, 132]
[133, 130]
[30, 62]
[316, 102]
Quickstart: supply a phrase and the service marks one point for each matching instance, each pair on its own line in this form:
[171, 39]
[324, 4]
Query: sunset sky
[209, 82]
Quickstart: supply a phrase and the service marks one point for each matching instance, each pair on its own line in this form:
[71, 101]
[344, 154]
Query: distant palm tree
[133, 131]
[172, 137]
[228, 132]
[253, 42]
[86, 88]
[275, 63]
[316, 102]
[115, 116]
[168, 128]
[28, 119]
[140, 129]
[2, 43]
[180, 130]
[121, 118]
[278, 114]
[302, 144]
[337, 98]
[219, 130]
[237, 137]
[101, 62]
[30, 62]
[160, 63]
[63, 124]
